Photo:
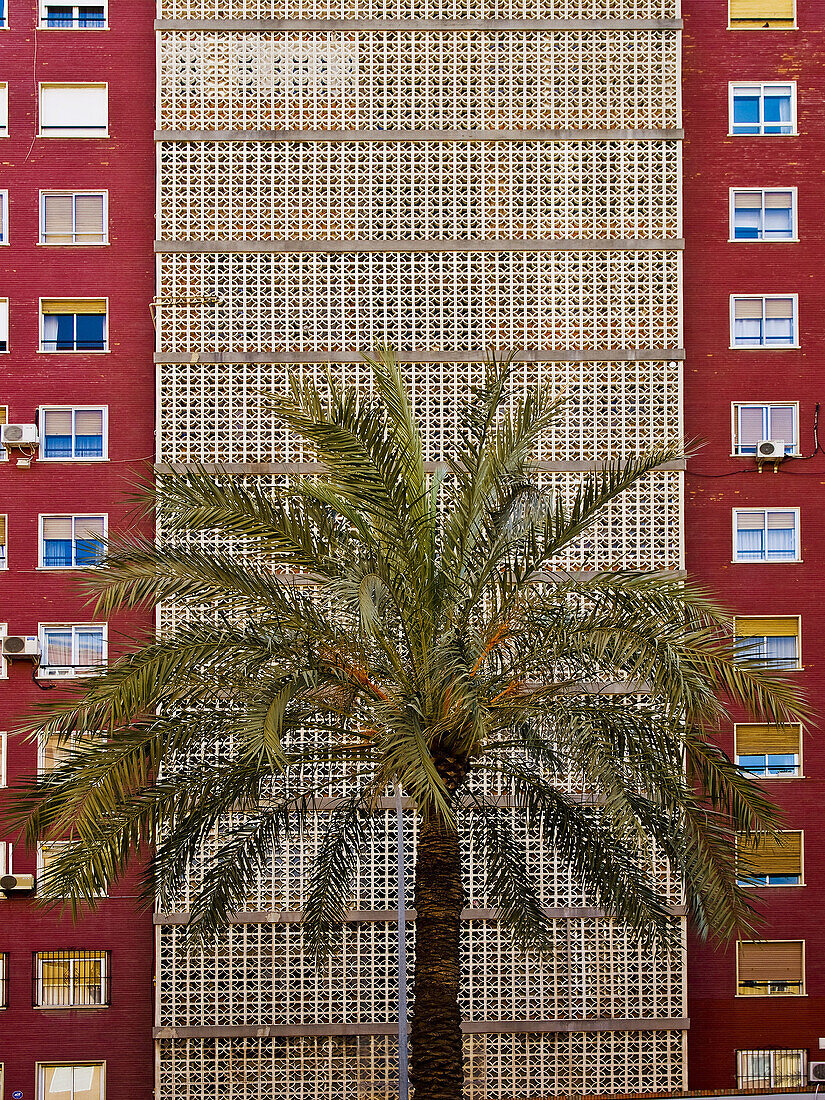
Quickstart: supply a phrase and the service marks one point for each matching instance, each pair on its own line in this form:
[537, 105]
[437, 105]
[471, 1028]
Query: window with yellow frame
[762, 14]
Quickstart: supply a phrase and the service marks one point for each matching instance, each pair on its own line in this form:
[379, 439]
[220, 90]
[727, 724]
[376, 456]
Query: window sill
[764, 347]
[85, 30]
[763, 561]
[84, 461]
[74, 135]
[72, 244]
[67, 351]
[70, 1008]
[761, 27]
[770, 136]
[776, 886]
[61, 568]
[793, 454]
[766, 996]
[763, 240]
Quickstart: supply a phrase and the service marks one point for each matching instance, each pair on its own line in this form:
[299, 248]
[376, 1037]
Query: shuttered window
[764, 14]
[73, 217]
[752, 423]
[73, 324]
[4, 744]
[768, 752]
[4, 419]
[73, 433]
[68, 542]
[763, 321]
[763, 214]
[765, 534]
[74, 110]
[4, 324]
[770, 860]
[772, 641]
[770, 967]
[4, 110]
[4, 217]
[4, 523]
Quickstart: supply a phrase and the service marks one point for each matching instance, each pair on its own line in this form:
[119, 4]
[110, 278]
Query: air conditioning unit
[770, 450]
[13, 884]
[21, 645]
[816, 1072]
[18, 435]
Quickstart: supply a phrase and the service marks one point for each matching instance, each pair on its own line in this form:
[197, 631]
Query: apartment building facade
[754, 307]
[76, 376]
[446, 177]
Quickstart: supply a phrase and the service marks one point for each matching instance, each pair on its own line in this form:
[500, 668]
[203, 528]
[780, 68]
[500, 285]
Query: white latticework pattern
[365, 1067]
[427, 301]
[454, 190]
[419, 80]
[340, 203]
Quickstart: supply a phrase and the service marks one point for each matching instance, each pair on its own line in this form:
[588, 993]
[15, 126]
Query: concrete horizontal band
[380, 916]
[624, 244]
[469, 1027]
[384, 25]
[252, 469]
[539, 355]
[419, 135]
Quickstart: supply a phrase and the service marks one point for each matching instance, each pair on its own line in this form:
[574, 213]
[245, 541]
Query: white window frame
[771, 615]
[70, 1003]
[6, 858]
[4, 668]
[73, 671]
[4, 454]
[71, 131]
[77, 351]
[41, 1068]
[4, 764]
[74, 517]
[762, 85]
[804, 983]
[735, 512]
[800, 771]
[41, 862]
[74, 243]
[782, 885]
[746, 1080]
[73, 409]
[4, 109]
[794, 237]
[766, 406]
[4, 229]
[734, 298]
[43, 25]
[4, 325]
[4, 546]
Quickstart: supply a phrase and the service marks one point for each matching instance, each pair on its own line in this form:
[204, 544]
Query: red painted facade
[123, 380]
[716, 376]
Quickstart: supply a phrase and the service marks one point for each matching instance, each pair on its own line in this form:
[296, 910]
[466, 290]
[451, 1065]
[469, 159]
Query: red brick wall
[715, 376]
[123, 379]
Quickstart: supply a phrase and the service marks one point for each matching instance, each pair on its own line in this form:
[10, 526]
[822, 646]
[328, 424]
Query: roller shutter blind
[50, 306]
[771, 855]
[754, 739]
[770, 961]
[58, 225]
[74, 110]
[761, 10]
[89, 219]
[2, 530]
[786, 626]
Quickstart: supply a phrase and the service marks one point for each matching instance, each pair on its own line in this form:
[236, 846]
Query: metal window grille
[71, 979]
[763, 1069]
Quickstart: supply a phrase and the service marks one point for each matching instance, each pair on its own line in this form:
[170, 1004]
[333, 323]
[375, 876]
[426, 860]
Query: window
[4, 996]
[83, 17]
[68, 542]
[770, 968]
[47, 853]
[754, 422]
[764, 108]
[4, 217]
[72, 649]
[73, 433]
[73, 324]
[765, 534]
[771, 641]
[71, 979]
[74, 110]
[4, 419]
[71, 1082]
[768, 752]
[770, 860]
[4, 324]
[4, 110]
[761, 14]
[3, 23]
[770, 1069]
[73, 217]
[4, 745]
[763, 214]
[5, 858]
[4, 558]
[761, 321]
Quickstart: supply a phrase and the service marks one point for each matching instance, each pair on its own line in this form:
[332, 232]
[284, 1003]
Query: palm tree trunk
[436, 1065]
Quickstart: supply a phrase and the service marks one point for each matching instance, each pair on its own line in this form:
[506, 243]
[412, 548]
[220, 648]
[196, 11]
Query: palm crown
[394, 624]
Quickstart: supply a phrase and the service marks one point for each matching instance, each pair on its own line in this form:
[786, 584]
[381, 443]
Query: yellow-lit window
[770, 968]
[762, 14]
[71, 979]
[770, 640]
[769, 860]
[769, 752]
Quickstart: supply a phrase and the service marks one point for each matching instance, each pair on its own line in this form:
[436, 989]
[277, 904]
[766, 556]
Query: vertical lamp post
[403, 1078]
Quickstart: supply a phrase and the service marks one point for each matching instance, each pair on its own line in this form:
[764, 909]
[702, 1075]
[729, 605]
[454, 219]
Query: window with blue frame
[763, 108]
[771, 641]
[763, 321]
[73, 433]
[765, 534]
[71, 542]
[763, 214]
[73, 324]
[74, 16]
[753, 422]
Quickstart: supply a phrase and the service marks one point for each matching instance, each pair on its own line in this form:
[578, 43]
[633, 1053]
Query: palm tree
[405, 622]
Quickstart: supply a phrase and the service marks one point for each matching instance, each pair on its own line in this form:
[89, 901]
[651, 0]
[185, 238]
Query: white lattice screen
[322, 189]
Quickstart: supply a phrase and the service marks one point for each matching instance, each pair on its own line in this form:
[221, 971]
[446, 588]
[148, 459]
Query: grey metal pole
[403, 1076]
